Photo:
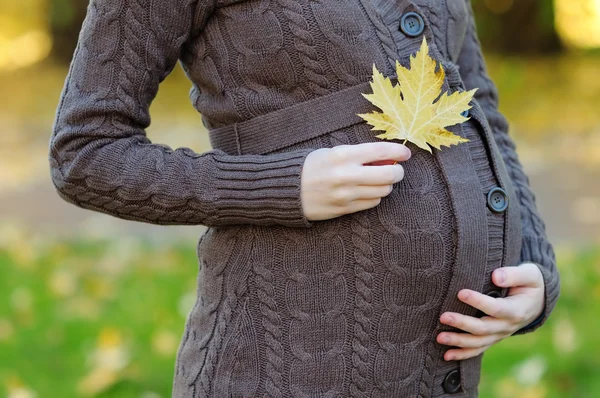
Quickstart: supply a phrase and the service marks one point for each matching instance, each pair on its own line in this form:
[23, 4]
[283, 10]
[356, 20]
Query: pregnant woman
[319, 275]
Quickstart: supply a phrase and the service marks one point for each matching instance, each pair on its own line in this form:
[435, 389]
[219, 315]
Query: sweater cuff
[258, 189]
[540, 252]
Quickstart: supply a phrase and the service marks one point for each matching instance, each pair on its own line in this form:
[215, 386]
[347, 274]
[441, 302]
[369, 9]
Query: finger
[378, 175]
[495, 307]
[467, 340]
[476, 326]
[526, 274]
[344, 196]
[459, 354]
[359, 205]
[372, 192]
[370, 152]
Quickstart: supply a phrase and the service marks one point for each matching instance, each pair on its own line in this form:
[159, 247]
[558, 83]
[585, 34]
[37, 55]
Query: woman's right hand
[336, 181]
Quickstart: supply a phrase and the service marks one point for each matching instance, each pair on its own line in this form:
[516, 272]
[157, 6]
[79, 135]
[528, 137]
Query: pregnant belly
[310, 302]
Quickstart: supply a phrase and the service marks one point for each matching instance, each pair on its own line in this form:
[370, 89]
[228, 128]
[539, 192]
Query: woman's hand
[522, 305]
[336, 181]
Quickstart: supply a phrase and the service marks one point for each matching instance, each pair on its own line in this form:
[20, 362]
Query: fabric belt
[305, 120]
[294, 124]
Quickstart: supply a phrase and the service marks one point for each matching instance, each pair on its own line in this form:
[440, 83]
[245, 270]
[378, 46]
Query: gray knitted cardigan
[288, 307]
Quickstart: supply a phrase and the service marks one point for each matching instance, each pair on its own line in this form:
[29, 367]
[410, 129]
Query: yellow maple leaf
[408, 109]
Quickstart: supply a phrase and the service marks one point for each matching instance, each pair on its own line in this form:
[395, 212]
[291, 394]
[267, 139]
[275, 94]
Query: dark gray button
[412, 24]
[452, 382]
[497, 200]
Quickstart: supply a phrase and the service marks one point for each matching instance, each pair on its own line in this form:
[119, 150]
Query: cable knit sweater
[286, 307]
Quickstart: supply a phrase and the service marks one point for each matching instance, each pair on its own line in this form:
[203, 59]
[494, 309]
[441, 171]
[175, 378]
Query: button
[492, 294]
[497, 200]
[452, 382]
[465, 113]
[412, 24]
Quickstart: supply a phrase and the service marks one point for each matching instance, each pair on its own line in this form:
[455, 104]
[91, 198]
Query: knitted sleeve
[100, 157]
[535, 245]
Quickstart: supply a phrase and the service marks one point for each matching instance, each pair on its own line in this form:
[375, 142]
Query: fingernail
[502, 276]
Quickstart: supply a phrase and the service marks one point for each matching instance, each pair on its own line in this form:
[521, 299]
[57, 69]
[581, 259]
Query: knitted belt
[302, 121]
[294, 124]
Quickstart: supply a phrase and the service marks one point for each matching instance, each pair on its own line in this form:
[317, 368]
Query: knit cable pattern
[383, 34]
[363, 311]
[271, 320]
[305, 43]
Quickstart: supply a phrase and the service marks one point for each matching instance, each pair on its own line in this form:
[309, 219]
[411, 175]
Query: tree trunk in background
[66, 17]
[517, 26]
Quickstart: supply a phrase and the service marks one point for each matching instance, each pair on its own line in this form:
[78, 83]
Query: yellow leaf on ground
[408, 109]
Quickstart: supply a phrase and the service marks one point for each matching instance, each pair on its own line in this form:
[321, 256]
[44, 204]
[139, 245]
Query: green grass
[93, 318]
[104, 319]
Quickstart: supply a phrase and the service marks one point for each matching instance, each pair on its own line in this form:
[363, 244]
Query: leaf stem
[404, 143]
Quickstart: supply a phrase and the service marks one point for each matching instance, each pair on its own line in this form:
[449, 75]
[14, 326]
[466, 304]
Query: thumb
[526, 274]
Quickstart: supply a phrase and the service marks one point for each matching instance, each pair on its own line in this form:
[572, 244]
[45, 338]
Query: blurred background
[93, 306]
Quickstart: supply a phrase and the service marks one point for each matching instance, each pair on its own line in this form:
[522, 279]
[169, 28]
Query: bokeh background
[94, 306]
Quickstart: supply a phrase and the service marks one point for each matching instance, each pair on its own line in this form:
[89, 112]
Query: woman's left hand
[522, 305]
